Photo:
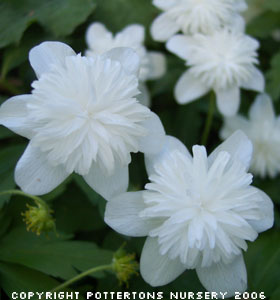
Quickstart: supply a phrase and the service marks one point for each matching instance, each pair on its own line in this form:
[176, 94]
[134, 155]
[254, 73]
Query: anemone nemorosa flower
[83, 117]
[152, 63]
[263, 129]
[223, 61]
[196, 16]
[198, 213]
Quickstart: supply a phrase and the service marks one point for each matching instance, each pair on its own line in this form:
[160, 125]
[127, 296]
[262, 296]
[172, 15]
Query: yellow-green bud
[38, 218]
[125, 266]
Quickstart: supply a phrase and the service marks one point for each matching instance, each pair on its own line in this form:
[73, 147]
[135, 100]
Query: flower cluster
[219, 56]
[87, 114]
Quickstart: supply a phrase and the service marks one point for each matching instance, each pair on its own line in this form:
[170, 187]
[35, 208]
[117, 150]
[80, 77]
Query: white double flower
[83, 117]
[198, 212]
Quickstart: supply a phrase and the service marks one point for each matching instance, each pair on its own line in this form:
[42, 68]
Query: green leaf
[263, 263]
[56, 257]
[16, 278]
[273, 5]
[60, 17]
[263, 25]
[8, 159]
[74, 212]
[273, 77]
[125, 12]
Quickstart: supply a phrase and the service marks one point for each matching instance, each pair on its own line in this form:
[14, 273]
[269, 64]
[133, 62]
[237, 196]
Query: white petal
[188, 88]
[228, 101]
[256, 82]
[238, 24]
[231, 124]
[240, 5]
[105, 185]
[122, 214]
[266, 210]
[164, 4]
[135, 33]
[157, 65]
[144, 98]
[97, 34]
[179, 45]
[262, 109]
[34, 174]
[171, 144]
[238, 146]
[221, 278]
[157, 269]
[155, 138]
[14, 115]
[163, 28]
[43, 56]
[128, 58]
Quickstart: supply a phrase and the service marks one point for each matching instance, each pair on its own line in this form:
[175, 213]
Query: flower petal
[266, 210]
[262, 109]
[163, 28]
[256, 81]
[128, 58]
[43, 56]
[122, 214]
[14, 115]
[97, 34]
[231, 124]
[108, 186]
[135, 33]
[144, 98]
[34, 174]
[157, 269]
[228, 101]
[189, 88]
[222, 278]
[171, 144]
[238, 146]
[157, 65]
[164, 4]
[155, 138]
[179, 45]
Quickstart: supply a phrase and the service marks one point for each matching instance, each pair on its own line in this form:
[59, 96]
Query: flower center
[202, 209]
[85, 111]
[222, 59]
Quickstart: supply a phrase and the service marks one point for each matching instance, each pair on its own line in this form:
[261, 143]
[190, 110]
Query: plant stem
[80, 276]
[209, 120]
[21, 193]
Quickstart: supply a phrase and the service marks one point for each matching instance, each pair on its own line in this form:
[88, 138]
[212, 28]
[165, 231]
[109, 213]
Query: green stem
[209, 120]
[21, 193]
[80, 276]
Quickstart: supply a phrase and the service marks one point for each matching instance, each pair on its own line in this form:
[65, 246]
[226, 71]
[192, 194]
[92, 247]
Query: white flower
[82, 116]
[152, 63]
[263, 129]
[223, 61]
[198, 212]
[196, 16]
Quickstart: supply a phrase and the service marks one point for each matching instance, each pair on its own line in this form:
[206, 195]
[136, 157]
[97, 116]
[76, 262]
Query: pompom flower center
[203, 210]
[222, 59]
[86, 111]
[203, 16]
